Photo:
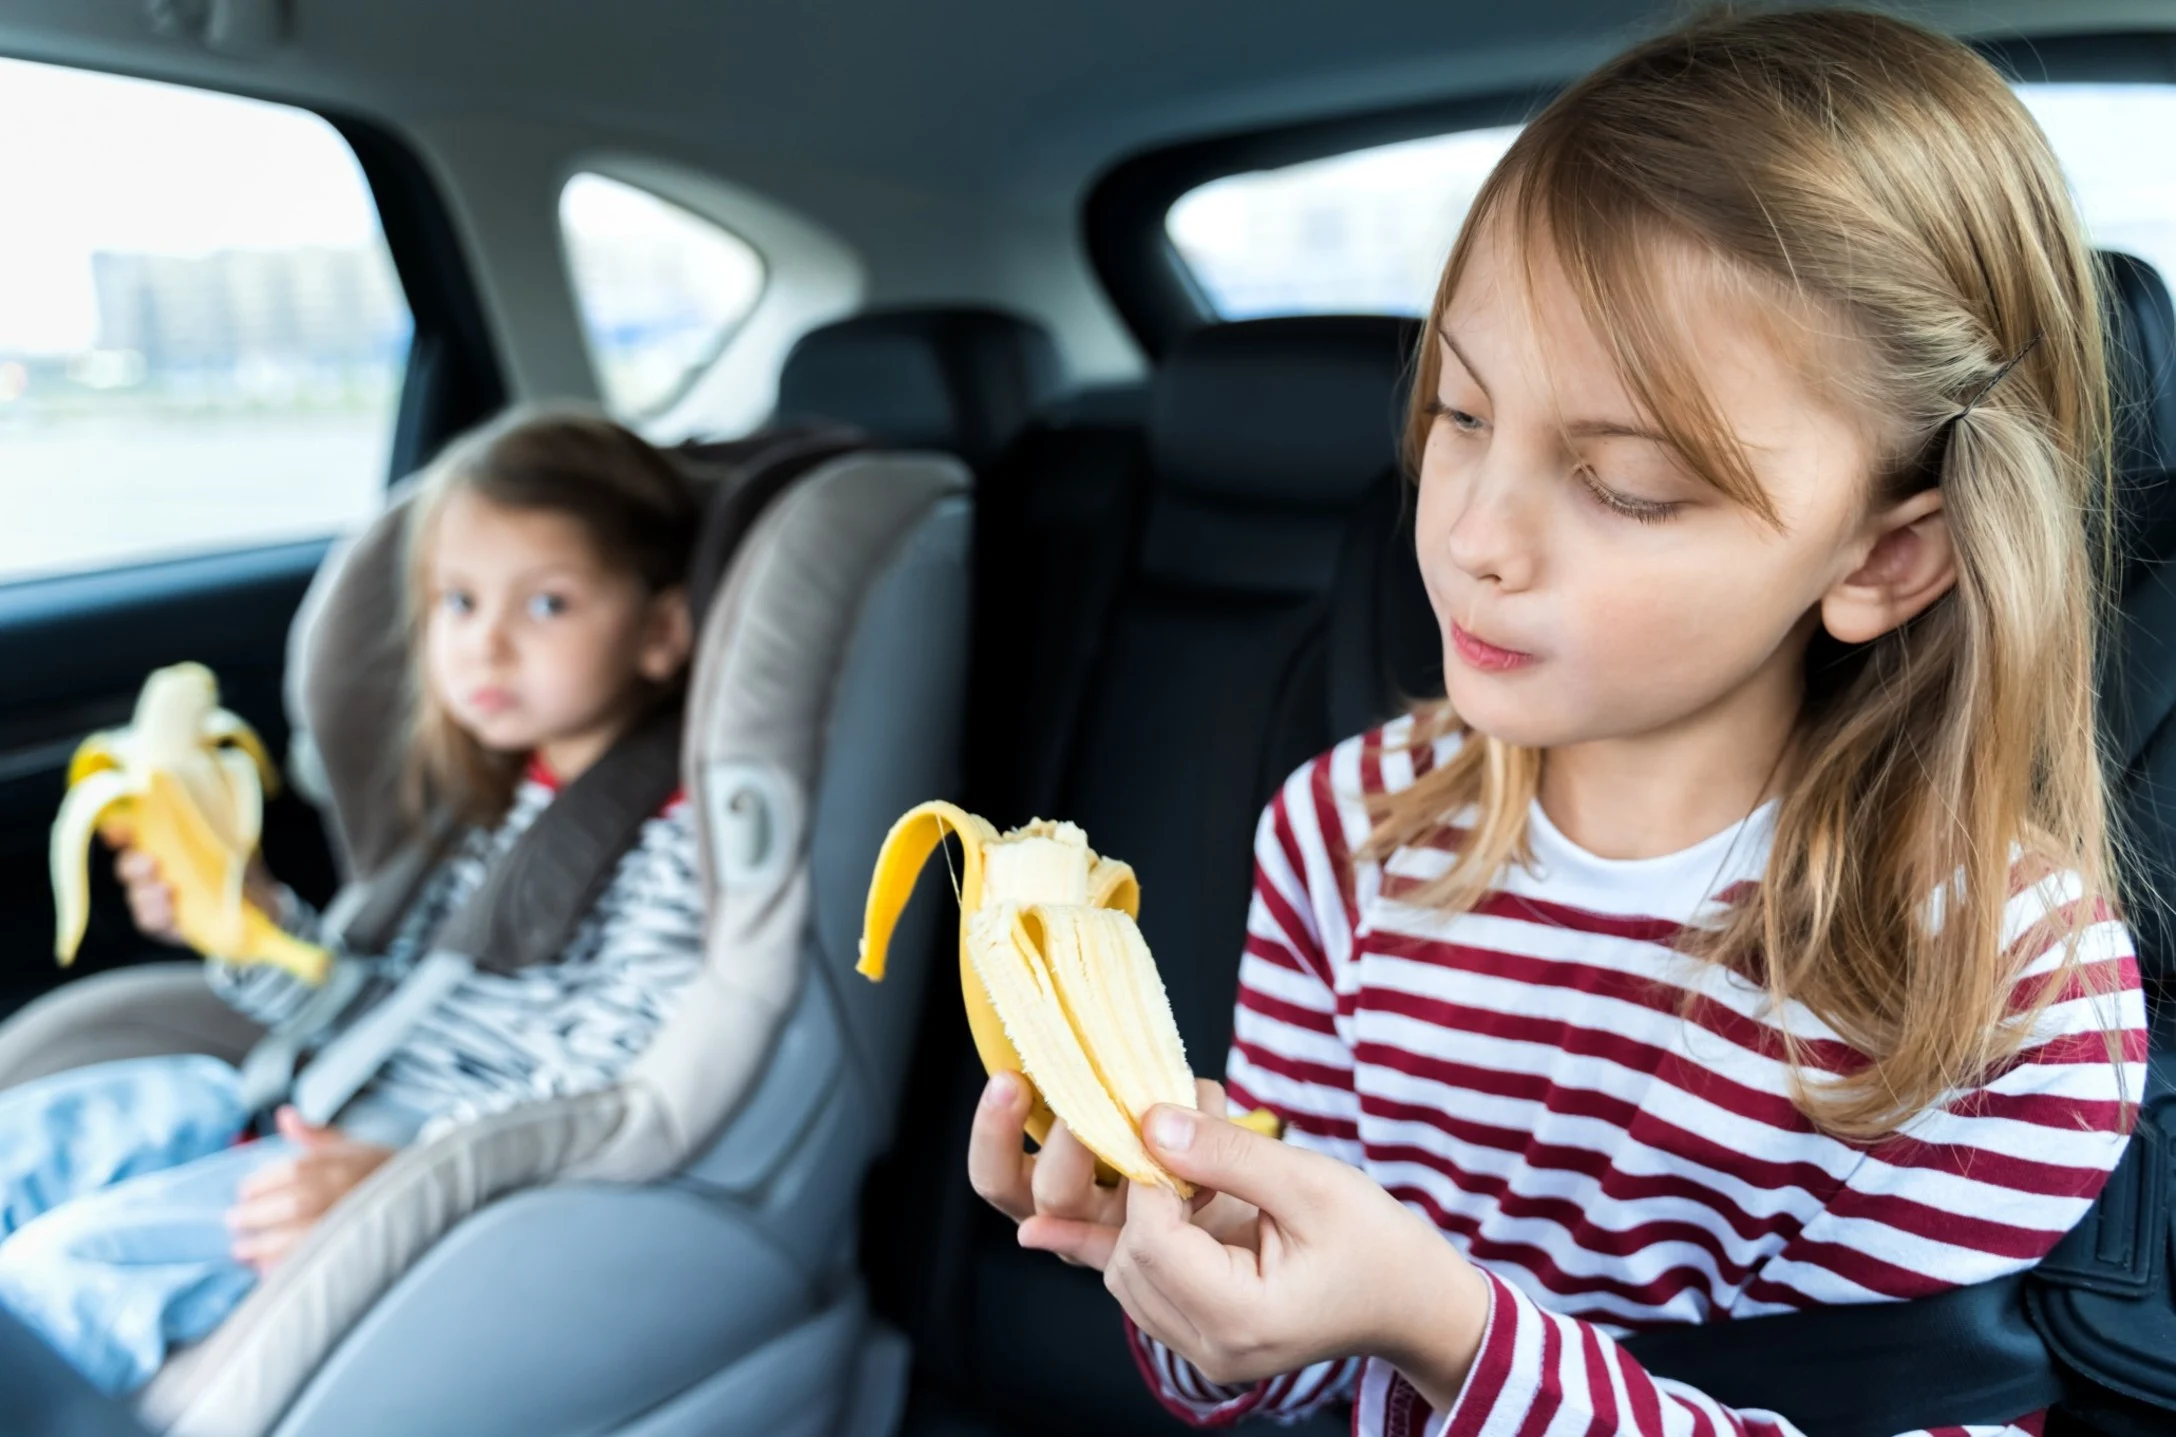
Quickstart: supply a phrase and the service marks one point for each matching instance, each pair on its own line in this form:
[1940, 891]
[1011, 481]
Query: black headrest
[1301, 412]
[2142, 378]
[2143, 368]
[959, 380]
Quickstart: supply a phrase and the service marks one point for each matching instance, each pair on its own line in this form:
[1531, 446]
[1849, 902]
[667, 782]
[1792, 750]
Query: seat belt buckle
[268, 1071]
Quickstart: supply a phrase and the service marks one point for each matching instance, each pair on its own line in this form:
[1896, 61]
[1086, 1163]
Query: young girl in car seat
[549, 615]
[1735, 937]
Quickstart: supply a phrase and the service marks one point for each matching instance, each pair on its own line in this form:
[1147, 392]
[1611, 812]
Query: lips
[1491, 658]
[490, 700]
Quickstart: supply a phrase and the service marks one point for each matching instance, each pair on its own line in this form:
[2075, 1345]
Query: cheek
[583, 660]
[1435, 511]
[1677, 629]
[439, 652]
[1642, 630]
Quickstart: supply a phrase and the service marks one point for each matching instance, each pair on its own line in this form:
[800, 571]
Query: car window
[1368, 231]
[661, 290]
[201, 333]
[1362, 232]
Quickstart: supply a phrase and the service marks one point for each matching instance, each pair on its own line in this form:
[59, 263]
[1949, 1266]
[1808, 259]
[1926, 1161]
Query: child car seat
[672, 1254]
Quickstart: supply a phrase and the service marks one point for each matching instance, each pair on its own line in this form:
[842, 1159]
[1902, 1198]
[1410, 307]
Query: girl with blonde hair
[1737, 935]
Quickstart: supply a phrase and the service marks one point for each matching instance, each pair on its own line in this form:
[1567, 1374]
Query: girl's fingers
[1192, 1271]
[997, 1166]
[262, 1250]
[1150, 1308]
[1084, 1244]
[266, 1210]
[269, 1178]
[1064, 1181]
[293, 1128]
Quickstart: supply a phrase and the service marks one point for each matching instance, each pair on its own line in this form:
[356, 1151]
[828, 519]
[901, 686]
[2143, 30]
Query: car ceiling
[947, 144]
[976, 96]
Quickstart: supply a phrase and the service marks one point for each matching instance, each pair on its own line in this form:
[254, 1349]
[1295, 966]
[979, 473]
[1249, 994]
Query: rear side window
[661, 290]
[1368, 231]
[1359, 233]
[201, 334]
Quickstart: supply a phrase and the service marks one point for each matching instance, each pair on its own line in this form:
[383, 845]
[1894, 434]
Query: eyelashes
[1629, 506]
[1463, 422]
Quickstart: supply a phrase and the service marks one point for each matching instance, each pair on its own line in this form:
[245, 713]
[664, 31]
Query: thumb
[299, 1131]
[1213, 1153]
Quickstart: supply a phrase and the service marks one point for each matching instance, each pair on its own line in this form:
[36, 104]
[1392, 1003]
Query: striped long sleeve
[551, 1030]
[1603, 1125]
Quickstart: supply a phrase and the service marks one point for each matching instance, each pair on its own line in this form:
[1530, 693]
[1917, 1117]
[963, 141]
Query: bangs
[1629, 266]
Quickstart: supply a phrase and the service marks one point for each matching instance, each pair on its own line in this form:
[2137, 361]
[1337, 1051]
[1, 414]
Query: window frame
[1156, 294]
[693, 376]
[452, 378]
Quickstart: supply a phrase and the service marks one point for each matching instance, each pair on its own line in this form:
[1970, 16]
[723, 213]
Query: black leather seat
[1154, 611]
[960, 380]
[2139, 693]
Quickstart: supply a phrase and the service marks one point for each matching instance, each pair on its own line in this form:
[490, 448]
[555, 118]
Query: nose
[1494, 532]
[489, 635]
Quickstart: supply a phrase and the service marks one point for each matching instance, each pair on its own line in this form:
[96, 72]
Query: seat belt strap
[269, 1069]
[1965, 1357]
[353, 1058]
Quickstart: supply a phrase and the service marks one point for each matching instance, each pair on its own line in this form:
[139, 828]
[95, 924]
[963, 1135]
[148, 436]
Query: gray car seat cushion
[764, 680]
[348, 683]
[138, 1012]
[238, 1381]
[756, 737]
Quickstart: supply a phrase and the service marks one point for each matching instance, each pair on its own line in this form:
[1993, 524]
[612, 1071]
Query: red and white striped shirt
[1529, 1076]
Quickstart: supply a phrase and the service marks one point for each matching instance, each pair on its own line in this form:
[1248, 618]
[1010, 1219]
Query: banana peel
[186, 781]
[1058, 983]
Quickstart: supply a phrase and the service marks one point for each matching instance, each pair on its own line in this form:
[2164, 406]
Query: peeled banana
[187, 779]
[1059, 984]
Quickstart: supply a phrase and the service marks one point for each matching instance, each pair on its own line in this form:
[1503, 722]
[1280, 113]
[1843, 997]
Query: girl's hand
[151, 898]
[280, 1202]
[1336, 1266]
[1053, 1194]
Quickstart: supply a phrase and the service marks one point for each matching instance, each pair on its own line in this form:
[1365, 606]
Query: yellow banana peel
[1058, 983]
[187, 780]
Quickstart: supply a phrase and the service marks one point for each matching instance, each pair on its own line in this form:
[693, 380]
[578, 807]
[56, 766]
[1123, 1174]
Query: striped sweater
[1531, 1078]
[550, 1030]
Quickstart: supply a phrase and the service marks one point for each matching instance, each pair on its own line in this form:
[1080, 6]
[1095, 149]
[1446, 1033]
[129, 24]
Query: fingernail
[997, 1093]
[1171, 1129]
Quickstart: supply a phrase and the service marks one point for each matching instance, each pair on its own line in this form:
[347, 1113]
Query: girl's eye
[546, 606]
[1631, 506]
[1463, 422]
[456, 601]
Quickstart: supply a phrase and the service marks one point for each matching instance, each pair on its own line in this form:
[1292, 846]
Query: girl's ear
[1908, 565]
[668, 638]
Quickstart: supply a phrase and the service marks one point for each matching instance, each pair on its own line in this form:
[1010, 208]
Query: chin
[501, 736]
[1517, 715]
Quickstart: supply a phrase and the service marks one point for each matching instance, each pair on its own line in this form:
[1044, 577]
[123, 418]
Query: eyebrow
[1577, 429]
[568, 569]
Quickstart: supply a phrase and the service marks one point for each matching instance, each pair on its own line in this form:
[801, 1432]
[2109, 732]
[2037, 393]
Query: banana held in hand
[187, 779]
[1058, 983]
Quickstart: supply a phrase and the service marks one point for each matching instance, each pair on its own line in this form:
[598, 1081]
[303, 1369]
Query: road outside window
[201, 333]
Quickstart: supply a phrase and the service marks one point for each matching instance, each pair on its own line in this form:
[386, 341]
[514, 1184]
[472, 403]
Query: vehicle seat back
[2139, 691]
[450, 1290]
[958, 380]
[1152, 604]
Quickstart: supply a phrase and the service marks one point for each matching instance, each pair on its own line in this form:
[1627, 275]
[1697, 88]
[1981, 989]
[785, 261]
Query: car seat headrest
[962, 381]
[1300, 412]
[2142, 378]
